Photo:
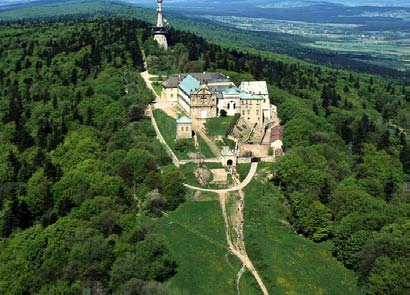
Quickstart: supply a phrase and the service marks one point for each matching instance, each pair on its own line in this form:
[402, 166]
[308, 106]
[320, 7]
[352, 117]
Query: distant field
[385, 48]
[283, 46]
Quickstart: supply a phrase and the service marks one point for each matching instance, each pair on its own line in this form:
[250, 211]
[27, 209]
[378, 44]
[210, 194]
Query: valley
[384, 48]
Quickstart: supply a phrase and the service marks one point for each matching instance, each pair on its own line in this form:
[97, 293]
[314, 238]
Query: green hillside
[278, 46]
[89, 200]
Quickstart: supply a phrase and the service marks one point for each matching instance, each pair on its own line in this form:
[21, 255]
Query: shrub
[184, 145]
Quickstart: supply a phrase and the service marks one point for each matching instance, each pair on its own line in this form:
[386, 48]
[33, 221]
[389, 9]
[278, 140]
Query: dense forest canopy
[82, 173]
[79, 162]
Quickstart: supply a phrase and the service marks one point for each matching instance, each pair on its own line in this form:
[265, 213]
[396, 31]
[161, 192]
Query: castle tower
[160, 30]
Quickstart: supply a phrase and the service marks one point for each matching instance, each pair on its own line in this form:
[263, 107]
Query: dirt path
[238, 279]
[240, 186]
[147, 76]
[237, 246]
[161, 139]
[234, 222]
[199, 127]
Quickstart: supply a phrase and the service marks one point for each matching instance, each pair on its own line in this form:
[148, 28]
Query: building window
[172, 96]
[249, 112]
[243, 113]
[182, 128]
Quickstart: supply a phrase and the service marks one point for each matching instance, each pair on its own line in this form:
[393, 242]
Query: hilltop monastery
[208, 95]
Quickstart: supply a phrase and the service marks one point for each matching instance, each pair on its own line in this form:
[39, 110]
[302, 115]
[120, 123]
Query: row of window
[249, 112]
[245, 102]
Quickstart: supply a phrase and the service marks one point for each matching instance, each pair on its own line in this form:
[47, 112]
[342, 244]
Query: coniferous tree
[357, 83]
[384, 142]
[405, 158]
[89, 116]
[74, 76]
[315, 109]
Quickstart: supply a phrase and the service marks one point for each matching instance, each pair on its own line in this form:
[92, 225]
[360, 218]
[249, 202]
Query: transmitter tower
[161, 29]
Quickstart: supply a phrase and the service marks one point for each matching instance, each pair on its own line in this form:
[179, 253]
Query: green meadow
[167, 126]
[287, 262]
[195, 234]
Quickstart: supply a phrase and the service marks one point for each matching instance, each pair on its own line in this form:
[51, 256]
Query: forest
[282, 46]
[82, 174]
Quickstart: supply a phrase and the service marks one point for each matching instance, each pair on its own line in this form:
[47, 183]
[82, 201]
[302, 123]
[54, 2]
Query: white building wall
[232, 105]
[169, 94]
[259, 88]
[184, 101]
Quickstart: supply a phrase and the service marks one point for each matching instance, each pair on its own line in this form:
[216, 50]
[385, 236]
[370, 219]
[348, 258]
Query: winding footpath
[161, 139]
[239, 187]
[237, 248]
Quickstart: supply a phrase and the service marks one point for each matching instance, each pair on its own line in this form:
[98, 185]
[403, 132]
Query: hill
[85, 183]
[270, 43]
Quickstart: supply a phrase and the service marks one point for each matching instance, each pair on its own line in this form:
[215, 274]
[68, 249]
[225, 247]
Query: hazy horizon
[262, 3]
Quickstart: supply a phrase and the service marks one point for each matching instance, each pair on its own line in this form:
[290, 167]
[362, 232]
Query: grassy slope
[204, 149]
[157, 87]
[167, 126]
[218, 126]
[288, 263]
[195, 235]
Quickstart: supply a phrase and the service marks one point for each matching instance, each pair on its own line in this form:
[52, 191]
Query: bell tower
[161, 29]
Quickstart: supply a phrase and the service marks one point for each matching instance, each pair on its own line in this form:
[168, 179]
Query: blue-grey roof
[245, 95]
[189, 84]
[230, 91]
[184, 120]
